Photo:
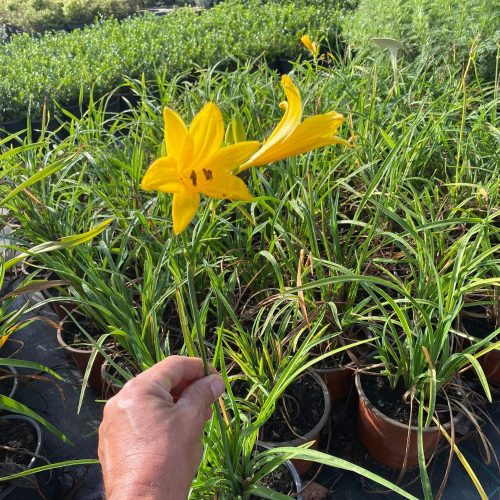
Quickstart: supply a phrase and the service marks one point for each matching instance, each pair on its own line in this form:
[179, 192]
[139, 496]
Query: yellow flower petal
[292, 116]
[3, 339]
[207, 132]
[228, 158]
[175, 132]
[314, 132]
[306, 41]
[163, 176]
[224, 186]
[213, 177]
[184, 207]
[288, 123]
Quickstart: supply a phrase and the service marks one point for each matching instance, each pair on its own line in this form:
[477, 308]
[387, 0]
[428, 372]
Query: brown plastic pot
[385, 438]
[313, 435]
[110, 387]
[340, 381]
[81, 358]
[490, 364]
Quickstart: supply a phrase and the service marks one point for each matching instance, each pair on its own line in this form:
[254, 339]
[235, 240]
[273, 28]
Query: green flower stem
[190, 256]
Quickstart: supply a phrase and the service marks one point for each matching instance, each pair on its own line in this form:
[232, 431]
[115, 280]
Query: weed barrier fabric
[78, 483]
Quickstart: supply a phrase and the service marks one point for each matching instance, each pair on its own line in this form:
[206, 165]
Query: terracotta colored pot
[81, 358]
[340, 381]
[110, 388]
[385, 438]
[313, 435]
[490, 363]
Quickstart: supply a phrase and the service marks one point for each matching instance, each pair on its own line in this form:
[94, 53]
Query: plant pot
[109, 383]
[340, 381]
[81, 358]
[282, 65]
[14, 379]
[14, 126]
[113, 105]
[8, 468]
[128, 100]
[490, 364]
[313, 434]
[385, 438]
[293, 471]
[479, 325]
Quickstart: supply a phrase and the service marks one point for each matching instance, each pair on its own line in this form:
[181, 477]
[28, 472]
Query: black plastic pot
[281, 65]
[8, 469]
[13, 127]
[293, 471]
[14, 380]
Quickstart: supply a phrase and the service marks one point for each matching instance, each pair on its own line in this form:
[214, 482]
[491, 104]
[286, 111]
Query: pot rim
[383, 416]
[308, 436]
[15, 380]
[109, 383]
[349, 366]
[38, 432]
[293, 470]
[64, 345]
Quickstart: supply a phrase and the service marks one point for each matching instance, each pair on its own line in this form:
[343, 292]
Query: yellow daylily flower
[196, 163]
[291, 137]
[311, 46]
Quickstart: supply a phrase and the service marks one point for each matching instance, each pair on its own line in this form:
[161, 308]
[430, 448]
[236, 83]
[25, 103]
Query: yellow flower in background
[312, 47]
[196, 163]
[291, 137]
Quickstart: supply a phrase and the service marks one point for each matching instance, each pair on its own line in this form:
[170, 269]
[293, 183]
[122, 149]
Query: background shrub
[441, 31]
[42, 15]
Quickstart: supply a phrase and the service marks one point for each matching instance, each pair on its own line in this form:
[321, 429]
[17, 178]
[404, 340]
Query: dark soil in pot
[76, 344]
[300, 408]
[112, 380]
[390, 441]
[7, 382]
[391, 401]
[280, 480]
[479, 322]
[73, 335]
[479, 325]
[17, 439]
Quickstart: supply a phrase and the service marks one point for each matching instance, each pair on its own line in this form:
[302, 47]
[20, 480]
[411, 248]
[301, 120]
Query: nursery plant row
[65, 68]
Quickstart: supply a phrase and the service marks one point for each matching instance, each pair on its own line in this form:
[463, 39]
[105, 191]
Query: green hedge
[34, 70]
[437, 31]
[41, 15]
[36, 16]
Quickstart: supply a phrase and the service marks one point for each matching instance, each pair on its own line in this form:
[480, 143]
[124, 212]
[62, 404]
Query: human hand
[150, 438]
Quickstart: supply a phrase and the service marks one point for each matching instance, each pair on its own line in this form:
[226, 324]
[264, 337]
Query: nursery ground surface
[85, 483]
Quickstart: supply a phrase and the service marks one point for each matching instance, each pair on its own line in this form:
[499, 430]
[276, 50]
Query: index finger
[175, 373]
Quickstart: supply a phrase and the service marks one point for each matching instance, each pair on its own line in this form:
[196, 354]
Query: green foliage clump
[443, 31]
[41, 15]
[56, 66]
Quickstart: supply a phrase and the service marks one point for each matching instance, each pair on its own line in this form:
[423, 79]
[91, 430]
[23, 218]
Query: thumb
[201, 393]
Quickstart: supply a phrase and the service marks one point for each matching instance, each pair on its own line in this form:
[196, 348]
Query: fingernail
[217, 386]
